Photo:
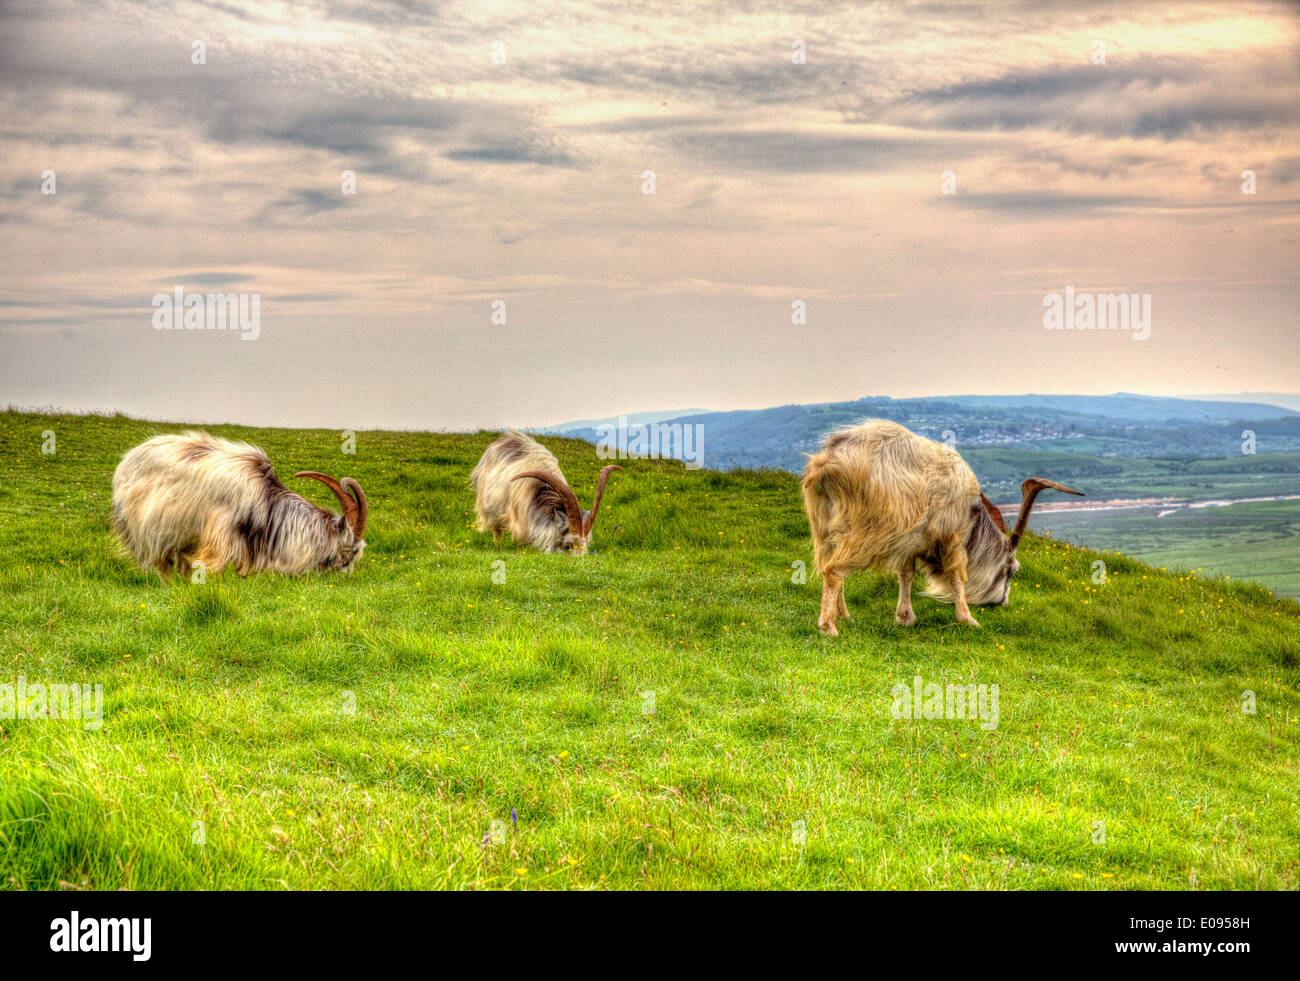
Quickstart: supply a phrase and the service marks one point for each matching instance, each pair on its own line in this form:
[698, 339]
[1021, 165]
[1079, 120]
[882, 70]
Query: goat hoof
[905, 620]
[828, 629]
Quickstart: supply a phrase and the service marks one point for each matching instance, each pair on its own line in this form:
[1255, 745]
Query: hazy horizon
[1285, 400]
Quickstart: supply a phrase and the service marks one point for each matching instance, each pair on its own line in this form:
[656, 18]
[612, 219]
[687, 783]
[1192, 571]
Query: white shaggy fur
[880, 496]
[183, 499]
[538, 512]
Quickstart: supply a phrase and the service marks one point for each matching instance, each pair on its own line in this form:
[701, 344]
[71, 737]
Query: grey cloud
[1285, 171]
[793, 151]
[383, 13]
[209, 278]
[1047, 204]
[265, 95]
[513, 232]
[513, 152]
[318, 118]
[1163, 98]
[763, 80]
[650, 124]
[1079, 162]
[308, 297]
[306, 201]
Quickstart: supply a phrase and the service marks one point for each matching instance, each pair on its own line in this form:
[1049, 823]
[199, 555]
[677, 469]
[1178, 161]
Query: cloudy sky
[500, 153]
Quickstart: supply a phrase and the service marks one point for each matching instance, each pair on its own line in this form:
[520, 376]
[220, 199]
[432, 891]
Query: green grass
[1119, 702]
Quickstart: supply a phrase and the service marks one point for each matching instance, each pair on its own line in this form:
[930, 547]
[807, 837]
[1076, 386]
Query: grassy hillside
[527, 702]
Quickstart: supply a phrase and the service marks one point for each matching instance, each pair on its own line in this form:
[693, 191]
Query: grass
[420, 725]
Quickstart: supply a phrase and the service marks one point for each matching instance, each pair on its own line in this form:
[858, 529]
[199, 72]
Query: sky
[849, 200]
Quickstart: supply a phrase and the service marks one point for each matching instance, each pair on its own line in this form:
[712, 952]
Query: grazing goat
[879, 496]
[181, 500]
[518, 487]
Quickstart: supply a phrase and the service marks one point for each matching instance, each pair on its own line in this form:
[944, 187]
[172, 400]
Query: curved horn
[1028, 491]
[994, 513]
[363, 509]
[572, 509]
[351, 509]
[600, 492]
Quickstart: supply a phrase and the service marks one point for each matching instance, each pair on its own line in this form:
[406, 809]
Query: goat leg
[954, 560]
[832, 584]
[903, 615]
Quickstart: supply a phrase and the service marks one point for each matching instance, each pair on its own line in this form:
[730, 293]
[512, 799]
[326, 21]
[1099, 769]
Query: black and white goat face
[991, 562]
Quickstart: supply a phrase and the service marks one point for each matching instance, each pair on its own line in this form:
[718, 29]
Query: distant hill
[1287, 400]
[633, 418]
[1132, 408]
[1119, 425]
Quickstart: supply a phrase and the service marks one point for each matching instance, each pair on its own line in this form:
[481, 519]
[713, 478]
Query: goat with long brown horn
[194, 498]
[879, 496]
[518, 487]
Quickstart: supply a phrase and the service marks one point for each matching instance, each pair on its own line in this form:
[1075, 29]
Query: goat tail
[818, 501]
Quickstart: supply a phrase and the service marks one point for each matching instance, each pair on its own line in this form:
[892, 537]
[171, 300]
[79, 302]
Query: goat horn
[600, 492]
[572, 509]
[353, 509]
[1028, 491]
[363, 509]
[994, 513]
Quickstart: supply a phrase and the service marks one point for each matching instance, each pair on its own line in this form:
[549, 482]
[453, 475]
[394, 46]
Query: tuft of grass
[202, 608]
[660, 713]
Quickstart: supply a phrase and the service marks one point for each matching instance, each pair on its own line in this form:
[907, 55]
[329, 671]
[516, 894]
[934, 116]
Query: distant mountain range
[1287, 400]
[632, 418]
[1119, 425]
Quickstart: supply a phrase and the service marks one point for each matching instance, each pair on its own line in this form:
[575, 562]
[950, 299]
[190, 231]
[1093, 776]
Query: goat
[194, 498]
[518, 488]
[879, 496]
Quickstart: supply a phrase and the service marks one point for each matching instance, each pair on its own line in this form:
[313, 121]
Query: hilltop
[661, 713]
